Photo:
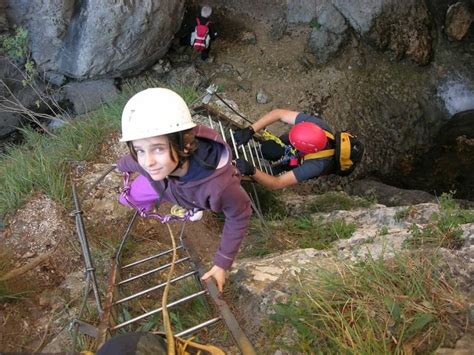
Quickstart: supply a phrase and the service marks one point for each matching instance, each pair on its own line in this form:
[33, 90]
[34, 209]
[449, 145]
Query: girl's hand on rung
[218, 274]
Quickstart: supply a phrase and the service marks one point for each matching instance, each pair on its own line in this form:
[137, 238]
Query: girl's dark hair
[178, 141]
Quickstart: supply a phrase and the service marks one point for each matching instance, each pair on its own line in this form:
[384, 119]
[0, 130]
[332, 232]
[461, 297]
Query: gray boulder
[88, 95]
[361, 14]
[458, 20]
[98, 38]
[328, 36]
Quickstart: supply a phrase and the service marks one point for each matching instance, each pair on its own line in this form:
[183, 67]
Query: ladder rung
[154, 288]
[152, 271]
[198, 327]
[182, 300]
[150, 257]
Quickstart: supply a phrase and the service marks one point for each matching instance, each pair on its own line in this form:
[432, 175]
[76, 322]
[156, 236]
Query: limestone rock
[98, 38]
[459, 18]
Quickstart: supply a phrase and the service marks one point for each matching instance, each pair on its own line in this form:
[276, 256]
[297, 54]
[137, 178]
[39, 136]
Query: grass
[271, 206]
[331, 201]
[316, 234]
[403, 214]
[43, 163]
[445, 228]
[395, 306]
[292, 233]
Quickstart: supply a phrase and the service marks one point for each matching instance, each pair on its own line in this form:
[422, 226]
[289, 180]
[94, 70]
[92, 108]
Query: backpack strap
[326, 153]
[197, 21]
[321, 154]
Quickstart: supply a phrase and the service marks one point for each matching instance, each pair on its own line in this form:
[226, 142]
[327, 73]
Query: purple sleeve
[235, 204]
[141, 195]
[127, 164]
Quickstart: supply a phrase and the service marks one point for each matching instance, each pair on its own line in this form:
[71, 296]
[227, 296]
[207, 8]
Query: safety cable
[236, 112]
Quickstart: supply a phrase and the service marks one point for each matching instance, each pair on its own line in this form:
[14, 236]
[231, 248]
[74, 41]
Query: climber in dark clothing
[306, 136]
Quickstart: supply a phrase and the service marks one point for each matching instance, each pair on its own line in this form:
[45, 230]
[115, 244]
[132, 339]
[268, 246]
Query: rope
[164, 299]
[236, 112]
[178, 345]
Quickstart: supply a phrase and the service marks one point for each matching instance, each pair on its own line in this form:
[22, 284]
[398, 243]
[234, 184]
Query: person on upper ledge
[201, 32]
[287, 152]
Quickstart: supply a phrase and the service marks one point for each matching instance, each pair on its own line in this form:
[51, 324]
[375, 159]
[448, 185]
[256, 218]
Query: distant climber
[309, 150]
[201, 32]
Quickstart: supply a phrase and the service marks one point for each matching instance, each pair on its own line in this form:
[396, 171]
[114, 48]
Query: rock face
[97, 38]
[328, 36]
[458, 20]
[402, 27]
[380, 231]
[449, 163]
[3, 18]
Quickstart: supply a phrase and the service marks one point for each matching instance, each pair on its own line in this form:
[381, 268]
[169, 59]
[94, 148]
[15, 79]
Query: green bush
[16, 46]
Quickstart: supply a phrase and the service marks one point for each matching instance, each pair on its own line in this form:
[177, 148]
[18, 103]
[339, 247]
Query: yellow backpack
[348, 152]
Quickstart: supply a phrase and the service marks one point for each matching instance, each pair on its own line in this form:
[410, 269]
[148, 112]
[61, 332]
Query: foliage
[444, 230]
[402, 305]
[318, 235]
[314, 23]
[16, 48]
[270, 204]
[43, 163]
[402, 214]
[331, 201]
[290, 233]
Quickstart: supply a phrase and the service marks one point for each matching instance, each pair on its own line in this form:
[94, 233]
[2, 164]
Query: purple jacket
[219, 192]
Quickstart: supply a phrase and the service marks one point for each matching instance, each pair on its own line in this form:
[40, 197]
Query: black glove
[242, 136]
[245, 167]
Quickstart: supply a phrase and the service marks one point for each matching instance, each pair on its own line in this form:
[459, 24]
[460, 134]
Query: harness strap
[269, 136]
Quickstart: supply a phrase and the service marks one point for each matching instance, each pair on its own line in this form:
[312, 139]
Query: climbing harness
[176, 214]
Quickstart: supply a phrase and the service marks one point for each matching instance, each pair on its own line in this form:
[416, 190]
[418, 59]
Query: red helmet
[308, 137]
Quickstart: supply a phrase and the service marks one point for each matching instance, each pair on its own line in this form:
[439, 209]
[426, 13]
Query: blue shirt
[314, 168]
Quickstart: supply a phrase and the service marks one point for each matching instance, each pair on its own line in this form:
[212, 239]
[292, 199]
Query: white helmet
[154, 112]
[206, 11]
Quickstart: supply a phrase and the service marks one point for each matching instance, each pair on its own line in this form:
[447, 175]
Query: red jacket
[219, 192]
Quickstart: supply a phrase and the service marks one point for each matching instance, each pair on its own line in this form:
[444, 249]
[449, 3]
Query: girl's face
[156, 156]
